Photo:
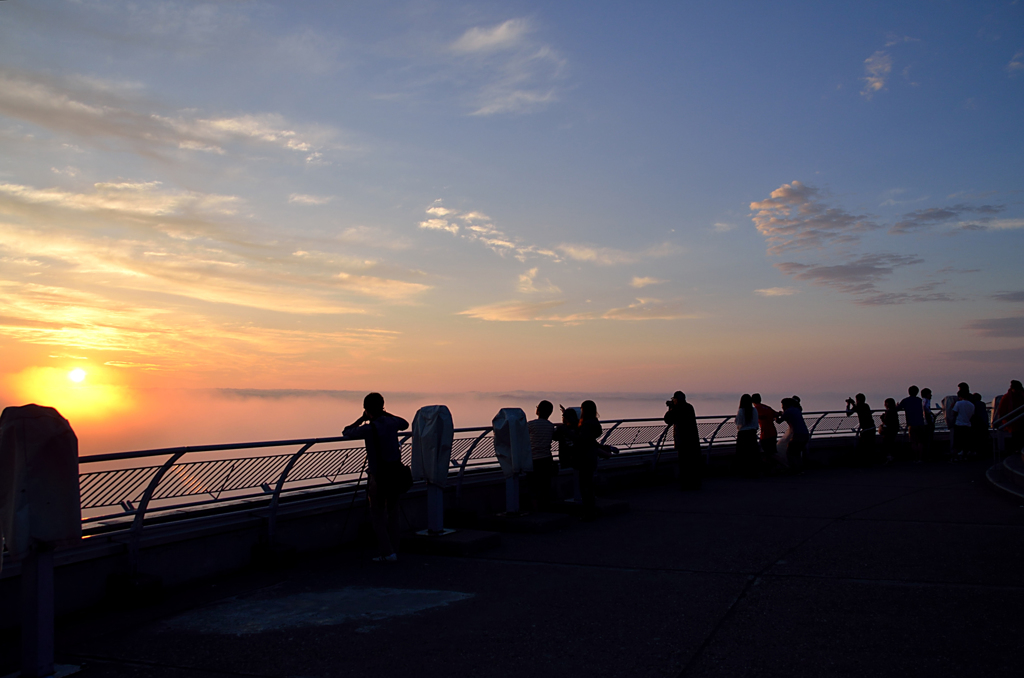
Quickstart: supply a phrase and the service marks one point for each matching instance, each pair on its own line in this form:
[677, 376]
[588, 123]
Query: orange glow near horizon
[70, 394]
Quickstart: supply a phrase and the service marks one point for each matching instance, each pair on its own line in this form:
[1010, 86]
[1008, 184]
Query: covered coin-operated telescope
[432, 437]
[39, 511]
[512, 447]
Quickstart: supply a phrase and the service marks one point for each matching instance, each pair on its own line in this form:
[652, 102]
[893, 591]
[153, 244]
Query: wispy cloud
[645, 281]
[609, 256]
[514, 311]
[506, 35]
[304, 199]
[528, 284]
[94, 112]
[932, 216]
[514, 72]
[1017, 296]
[776, 291]
[139, 236]
[1016, 64]
[795, 217]
[876, 70]
[860, 277]
[998, 327]
[1009, 356]
[650, 309]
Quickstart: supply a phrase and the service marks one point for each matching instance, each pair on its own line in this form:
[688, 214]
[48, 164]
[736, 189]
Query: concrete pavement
[905, 570]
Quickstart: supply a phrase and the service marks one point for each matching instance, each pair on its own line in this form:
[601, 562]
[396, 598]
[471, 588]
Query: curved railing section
[122, 491]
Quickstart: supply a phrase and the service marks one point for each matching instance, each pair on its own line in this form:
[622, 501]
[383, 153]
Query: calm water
[170, 418]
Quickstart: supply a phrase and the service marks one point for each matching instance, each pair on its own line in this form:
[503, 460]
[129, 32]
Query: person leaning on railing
[1010, 403]
[793, 415]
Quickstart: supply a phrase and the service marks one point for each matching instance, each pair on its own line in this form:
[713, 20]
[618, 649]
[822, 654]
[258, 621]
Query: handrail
[1005, 419]
[222, 476]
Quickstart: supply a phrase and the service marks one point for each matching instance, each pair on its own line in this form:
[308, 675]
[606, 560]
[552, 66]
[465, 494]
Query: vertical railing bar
[465, 460]
[135, 534]
[272, 516]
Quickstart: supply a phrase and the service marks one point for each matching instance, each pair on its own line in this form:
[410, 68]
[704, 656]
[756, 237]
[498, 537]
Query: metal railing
[121, 491]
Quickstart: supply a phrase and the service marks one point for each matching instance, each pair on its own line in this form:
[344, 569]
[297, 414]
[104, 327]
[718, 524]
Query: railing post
[465, 460]
[135, 535]
[659, 444]
[711, 440]
[275, 500]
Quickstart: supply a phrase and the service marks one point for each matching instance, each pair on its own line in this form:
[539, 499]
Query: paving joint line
[100, 659]
[754, 580]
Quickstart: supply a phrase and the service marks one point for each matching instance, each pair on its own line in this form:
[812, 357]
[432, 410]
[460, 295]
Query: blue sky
[480, 196]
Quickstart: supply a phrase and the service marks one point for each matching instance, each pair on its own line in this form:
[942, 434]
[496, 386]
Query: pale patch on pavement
[322, 608]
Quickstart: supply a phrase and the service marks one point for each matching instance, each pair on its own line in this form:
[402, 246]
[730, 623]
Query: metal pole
[272, 517]
[435, 509]
[512, 494]
[37, 612]
[136, 531]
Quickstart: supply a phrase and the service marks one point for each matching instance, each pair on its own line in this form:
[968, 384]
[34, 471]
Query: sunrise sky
[442, 197]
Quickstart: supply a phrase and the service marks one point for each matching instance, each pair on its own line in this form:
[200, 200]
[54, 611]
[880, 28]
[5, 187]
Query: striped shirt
[541, 431]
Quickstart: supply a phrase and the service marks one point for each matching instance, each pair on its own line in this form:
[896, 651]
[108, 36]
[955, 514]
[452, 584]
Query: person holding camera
[379, 429]
[683, 420]
[866, 438]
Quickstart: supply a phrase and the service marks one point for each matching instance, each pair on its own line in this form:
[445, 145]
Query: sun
[77, 375]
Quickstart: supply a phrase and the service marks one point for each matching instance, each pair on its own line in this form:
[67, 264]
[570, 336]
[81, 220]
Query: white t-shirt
[964, 411]
[742, 424]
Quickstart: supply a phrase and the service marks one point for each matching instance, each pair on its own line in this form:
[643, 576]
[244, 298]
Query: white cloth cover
[512, 441]
[39, 500]
[432, 435]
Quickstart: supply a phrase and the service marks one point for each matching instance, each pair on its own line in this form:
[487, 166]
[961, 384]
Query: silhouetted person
[586, 454]
[686, 440]
[380, 431]
[567, 435]
[963, 410]
[1013, 400]
[769, 434]
[913, 409]
[793, 415]
[981, 441]
[890, 429]
[747, 451]
[929, 423]
[544, 467]
[865, 454]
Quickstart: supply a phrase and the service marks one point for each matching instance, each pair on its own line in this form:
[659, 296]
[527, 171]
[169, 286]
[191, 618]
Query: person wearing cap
[683, 420]
[1012, 401]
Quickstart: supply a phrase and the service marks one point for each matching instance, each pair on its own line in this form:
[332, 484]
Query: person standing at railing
[746, 436]
[586, 455]
[793, 415]
[686, 440]
[890, 429]
[1012, 401]
[913, 409]
[769, 434]
[379, 429]
[963, 410]
[929, 423]
[981, 441]
[544, 467]
[865, 454]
